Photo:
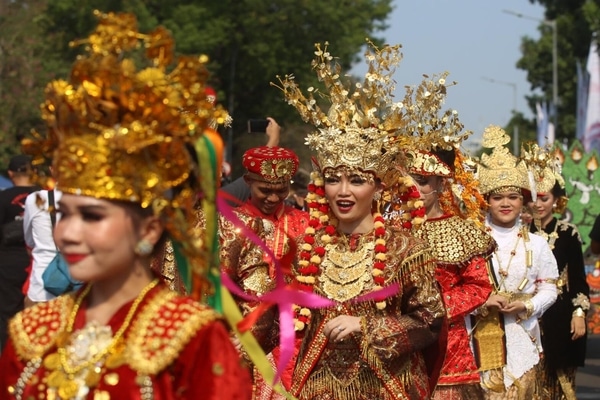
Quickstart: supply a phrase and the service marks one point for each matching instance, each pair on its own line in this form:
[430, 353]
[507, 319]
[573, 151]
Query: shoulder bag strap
[51, 207]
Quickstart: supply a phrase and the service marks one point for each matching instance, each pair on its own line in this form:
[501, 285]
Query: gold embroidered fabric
[462, 240]
[383, 361]
[164, 326]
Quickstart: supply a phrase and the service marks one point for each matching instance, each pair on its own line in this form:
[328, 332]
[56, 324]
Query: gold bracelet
[579, 313]
[528, 308]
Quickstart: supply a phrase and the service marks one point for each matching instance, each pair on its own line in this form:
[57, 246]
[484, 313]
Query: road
[588, 378]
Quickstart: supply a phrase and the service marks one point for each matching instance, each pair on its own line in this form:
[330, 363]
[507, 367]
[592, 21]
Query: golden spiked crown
[121, 133]
[544, 168]
[357, 131]
[110, 120]
[500, 169]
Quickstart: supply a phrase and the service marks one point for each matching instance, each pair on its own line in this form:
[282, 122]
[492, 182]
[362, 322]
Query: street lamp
[551, 24]
[515, 138]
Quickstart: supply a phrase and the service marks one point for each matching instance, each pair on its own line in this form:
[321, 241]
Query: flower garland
[311, 255]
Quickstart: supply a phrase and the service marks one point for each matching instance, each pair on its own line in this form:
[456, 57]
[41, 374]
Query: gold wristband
[528, 308]
[579, 313]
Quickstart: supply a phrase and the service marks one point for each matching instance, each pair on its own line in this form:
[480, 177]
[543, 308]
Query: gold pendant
[93, 377]
[56, 378]
[68, 389]
[52, 361]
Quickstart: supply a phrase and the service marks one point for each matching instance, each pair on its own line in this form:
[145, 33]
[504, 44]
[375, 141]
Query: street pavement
[588, 377]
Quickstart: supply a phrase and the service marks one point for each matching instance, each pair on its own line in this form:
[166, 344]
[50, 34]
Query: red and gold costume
[125, 135]
[274, 165]
[463, 276]
[385, 360]
[173, 348]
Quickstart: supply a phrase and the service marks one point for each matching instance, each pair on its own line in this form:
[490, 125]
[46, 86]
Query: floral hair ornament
[118, 132]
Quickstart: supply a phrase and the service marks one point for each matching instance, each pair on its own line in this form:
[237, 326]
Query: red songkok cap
[270, 164]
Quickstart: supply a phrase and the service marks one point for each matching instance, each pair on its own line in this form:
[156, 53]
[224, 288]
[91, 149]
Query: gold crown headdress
[356, 131]
[544, 165]
[120, 133]
[432, 130]
[544, 172]
[500, 169]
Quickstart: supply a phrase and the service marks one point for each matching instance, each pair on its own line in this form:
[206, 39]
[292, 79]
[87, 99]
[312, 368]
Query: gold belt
[511, 296]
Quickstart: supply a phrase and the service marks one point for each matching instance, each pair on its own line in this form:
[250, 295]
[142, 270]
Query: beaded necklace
[504, 272]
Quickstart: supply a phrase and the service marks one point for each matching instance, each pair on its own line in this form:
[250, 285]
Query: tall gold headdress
[434, 131]
[121, 133]
[357, 131]
[500, 169]
[544, 171]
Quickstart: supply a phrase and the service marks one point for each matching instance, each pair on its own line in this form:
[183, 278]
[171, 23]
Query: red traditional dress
[461, 251]
[170, 348]
[385, 361]
[279, 230]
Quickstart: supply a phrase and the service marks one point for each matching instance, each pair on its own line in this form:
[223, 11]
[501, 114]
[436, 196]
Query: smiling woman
[121, 150]
[523, 274]
[372, 344]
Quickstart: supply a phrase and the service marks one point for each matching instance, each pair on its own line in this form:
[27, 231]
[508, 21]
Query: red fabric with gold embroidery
[206, 366]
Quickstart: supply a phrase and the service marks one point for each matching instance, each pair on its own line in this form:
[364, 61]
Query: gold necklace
[550, 237]
[63, 375]
[504, 272]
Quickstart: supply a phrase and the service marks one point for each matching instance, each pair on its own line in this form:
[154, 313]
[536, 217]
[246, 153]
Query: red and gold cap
[270, 164]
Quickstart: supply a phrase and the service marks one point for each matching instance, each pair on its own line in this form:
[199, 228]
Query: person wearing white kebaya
[523, 274]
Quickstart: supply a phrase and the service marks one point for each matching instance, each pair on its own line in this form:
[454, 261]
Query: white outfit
[38, 236]
[523, 342]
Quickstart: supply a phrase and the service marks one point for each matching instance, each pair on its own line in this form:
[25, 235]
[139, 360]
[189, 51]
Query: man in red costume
[269, 170]
[269, 174]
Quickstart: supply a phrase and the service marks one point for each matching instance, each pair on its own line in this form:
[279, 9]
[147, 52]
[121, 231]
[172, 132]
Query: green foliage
[249, 43]
[574, 32]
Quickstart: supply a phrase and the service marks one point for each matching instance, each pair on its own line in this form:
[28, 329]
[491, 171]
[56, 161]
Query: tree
[573, 42]
[249, 43]
[24, 65]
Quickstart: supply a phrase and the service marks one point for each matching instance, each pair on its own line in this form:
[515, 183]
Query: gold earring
[143, 248]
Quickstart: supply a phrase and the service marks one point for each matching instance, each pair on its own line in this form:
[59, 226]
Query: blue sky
[470, 39]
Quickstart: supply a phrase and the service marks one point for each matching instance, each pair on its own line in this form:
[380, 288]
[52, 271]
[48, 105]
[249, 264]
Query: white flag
[591, 139]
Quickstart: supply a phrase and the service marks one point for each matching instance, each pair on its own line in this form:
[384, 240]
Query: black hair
[558, 191]
[447, 156]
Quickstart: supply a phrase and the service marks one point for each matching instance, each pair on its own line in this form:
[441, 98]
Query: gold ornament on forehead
[277, 169]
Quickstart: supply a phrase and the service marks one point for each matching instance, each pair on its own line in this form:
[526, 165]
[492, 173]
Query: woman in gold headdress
[563, 324]
[123, 165]
[462, 250]
[523, 274]
[370, 345]
[453, 228]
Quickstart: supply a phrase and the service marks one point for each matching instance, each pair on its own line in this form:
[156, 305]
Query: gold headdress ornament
[432, 131]
[357, 131]
[120, 133]
[500, 169]
[544, 171]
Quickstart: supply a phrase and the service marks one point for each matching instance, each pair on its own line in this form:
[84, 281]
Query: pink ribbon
[284, 296]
